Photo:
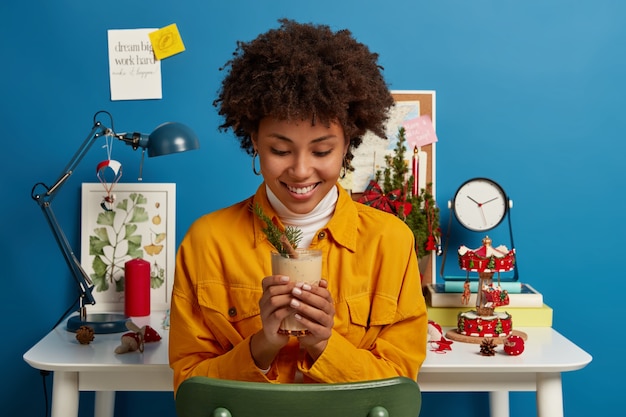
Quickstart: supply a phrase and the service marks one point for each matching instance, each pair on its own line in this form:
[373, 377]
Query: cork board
[369, 157]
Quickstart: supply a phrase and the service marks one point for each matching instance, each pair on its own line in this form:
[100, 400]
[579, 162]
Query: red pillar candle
[137, 288]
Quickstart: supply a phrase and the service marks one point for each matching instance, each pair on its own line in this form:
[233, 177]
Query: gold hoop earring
[344, 169]
[254, 155]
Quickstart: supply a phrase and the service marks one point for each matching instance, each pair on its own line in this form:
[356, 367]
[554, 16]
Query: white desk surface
[60, 351]
[547, 353]
[546, 350]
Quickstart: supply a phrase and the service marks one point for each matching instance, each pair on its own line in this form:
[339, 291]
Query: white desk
[95, 367]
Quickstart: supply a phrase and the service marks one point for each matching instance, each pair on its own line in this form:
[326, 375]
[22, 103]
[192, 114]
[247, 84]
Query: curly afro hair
[301, 71]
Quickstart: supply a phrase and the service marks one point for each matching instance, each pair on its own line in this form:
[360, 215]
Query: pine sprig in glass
[285, 242]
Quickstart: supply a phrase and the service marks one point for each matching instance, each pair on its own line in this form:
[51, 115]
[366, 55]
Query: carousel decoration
[484, 322]
[487, 260]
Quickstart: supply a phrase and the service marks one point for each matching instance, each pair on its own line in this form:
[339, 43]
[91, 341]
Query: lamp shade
[171, 137]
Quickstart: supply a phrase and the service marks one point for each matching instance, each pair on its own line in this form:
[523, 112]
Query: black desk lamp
[165, 139]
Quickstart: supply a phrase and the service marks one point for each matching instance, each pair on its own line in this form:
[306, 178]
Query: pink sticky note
[419, 132]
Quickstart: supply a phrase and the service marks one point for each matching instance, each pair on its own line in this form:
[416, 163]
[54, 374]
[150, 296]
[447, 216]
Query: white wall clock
[480, 204]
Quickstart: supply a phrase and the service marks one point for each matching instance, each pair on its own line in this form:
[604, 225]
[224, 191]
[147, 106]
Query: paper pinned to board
[419, 131]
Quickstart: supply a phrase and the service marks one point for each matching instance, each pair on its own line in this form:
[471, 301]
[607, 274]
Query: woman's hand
[274, 305]
[314, 307]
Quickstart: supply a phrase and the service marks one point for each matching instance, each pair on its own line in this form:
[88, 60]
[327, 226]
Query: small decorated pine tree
[423, 216]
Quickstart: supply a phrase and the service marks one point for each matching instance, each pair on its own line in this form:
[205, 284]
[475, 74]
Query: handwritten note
[419, 131]
[134, 72]
[167, 41]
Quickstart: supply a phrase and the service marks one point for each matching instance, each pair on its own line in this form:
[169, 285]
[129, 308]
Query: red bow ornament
[391, 202]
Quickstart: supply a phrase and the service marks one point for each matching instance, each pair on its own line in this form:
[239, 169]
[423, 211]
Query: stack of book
[526, 305]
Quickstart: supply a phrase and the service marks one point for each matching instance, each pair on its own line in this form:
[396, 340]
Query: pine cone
[487, 347]
[84, 335]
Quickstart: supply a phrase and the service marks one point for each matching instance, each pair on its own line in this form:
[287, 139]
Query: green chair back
[209, 397]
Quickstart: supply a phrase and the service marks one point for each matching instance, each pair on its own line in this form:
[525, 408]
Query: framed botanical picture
[134, 220]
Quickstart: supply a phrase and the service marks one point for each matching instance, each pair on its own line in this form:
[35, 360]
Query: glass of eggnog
[305, 268]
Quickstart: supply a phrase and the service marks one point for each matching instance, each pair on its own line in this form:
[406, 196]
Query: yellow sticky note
[166, 42]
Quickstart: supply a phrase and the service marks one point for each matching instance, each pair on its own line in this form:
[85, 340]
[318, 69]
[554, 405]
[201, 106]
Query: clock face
[480, 204]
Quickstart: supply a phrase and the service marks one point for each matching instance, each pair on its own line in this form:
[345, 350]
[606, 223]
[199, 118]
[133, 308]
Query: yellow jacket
[380, 321]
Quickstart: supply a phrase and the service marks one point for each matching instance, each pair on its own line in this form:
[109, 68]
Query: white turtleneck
[310, 222]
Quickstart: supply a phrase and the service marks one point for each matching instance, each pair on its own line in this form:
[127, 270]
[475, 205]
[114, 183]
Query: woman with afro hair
[299, 99]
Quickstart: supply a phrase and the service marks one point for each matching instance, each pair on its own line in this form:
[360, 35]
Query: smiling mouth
[301, 190]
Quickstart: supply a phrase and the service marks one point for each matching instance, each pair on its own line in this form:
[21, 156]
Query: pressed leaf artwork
[140, 222]
[118, 239]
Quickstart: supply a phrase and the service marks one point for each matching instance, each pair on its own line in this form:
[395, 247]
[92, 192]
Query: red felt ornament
[437, 342]
[430, 243]
[151, 335]
[514, 345]
[136, 338]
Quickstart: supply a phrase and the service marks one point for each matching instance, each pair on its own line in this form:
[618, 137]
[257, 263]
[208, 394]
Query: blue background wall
[529, 93]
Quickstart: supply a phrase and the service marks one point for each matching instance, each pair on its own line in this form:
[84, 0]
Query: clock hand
[488, 201]
[482, 213]
[477, 203]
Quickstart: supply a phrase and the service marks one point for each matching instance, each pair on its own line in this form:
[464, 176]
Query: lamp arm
[85, 284]
[97, 131]
[44, 200]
